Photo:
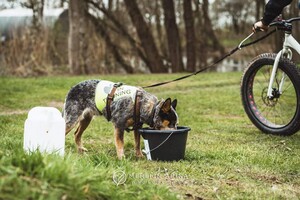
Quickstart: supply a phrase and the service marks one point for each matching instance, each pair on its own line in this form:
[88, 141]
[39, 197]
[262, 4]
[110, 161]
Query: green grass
[226, 156]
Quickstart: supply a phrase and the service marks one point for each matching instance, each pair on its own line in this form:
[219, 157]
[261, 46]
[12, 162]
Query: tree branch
[122, 29]
[114, 49]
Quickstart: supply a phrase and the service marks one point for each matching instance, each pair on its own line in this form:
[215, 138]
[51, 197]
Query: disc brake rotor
[270, 102]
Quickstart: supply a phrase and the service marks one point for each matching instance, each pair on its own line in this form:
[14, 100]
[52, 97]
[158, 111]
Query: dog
[90, 98]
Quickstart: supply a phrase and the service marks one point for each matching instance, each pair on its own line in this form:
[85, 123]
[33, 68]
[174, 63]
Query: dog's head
[165, 116]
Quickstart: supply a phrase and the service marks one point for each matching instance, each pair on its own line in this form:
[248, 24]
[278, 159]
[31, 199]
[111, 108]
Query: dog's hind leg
[84, 121]
[119, 142]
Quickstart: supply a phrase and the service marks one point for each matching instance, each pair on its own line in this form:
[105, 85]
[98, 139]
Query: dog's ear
[174, 104]
[166, 107]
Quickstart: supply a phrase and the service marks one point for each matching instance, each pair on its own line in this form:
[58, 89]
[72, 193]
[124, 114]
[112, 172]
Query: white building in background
[14, 19]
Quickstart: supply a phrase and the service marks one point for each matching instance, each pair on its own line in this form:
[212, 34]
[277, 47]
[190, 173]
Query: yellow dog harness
[104, 88]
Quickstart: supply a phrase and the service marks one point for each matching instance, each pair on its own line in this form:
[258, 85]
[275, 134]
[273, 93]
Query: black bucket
[165, 145]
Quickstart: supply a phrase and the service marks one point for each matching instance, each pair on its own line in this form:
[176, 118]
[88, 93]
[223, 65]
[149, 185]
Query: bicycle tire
[260, 109]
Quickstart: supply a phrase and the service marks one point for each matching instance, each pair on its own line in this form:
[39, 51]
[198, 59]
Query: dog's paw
[82, 150]
[139, 154]
[121, 157]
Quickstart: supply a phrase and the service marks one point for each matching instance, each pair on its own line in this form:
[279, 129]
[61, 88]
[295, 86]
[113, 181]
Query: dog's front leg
[137, 141]
[119, 142]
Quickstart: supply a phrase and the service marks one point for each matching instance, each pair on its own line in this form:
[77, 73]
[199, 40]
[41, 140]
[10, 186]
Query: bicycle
[270, 87]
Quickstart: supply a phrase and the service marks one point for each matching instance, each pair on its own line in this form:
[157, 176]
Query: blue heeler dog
[89, 98]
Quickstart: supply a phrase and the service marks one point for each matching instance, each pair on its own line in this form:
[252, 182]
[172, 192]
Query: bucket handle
[147, 152]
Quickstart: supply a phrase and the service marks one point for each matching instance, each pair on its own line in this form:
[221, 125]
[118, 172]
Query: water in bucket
[44, 131]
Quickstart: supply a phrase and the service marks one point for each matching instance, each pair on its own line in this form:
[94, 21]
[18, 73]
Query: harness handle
[110, 98]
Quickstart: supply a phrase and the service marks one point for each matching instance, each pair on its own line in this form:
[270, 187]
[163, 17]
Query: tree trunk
[174, 47]
[78, 37]
[37, 8]
[189, 35]
[209, 30]
[145, 36]
[161, 43]
[202, 43]
[257, 10]
[40, 12]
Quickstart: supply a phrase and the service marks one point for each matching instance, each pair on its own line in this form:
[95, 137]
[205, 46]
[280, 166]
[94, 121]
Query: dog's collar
[136, 114]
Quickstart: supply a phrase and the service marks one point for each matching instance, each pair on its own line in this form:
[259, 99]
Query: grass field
[226, 156]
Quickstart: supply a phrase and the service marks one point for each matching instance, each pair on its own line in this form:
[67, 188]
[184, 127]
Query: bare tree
[159, 30]
[119, 29]
[131, 33]
[145, 36]
[100, 28]
[259, 7]
[78, 37]
[201, 39]
[189, 35]
[37, 7]
[174, 47]
[209, 32]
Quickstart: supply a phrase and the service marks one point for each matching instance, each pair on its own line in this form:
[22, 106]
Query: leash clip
[119, 84]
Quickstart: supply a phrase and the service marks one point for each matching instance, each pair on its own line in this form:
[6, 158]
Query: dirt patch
[13, 112]
[55, 104]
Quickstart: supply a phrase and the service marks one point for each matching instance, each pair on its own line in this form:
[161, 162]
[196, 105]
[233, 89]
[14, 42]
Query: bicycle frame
[289, 42]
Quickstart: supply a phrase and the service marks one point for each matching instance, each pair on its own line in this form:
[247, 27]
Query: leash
[240, 46]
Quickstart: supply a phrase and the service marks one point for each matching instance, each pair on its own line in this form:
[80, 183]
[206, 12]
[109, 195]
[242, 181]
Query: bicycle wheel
[279, 115]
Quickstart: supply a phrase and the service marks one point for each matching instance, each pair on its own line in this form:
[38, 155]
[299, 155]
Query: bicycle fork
[289, 42]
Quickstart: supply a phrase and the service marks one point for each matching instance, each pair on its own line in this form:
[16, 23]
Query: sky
[48, 3]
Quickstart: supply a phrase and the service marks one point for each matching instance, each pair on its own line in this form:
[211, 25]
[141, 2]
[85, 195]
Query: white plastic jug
[44, 131]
